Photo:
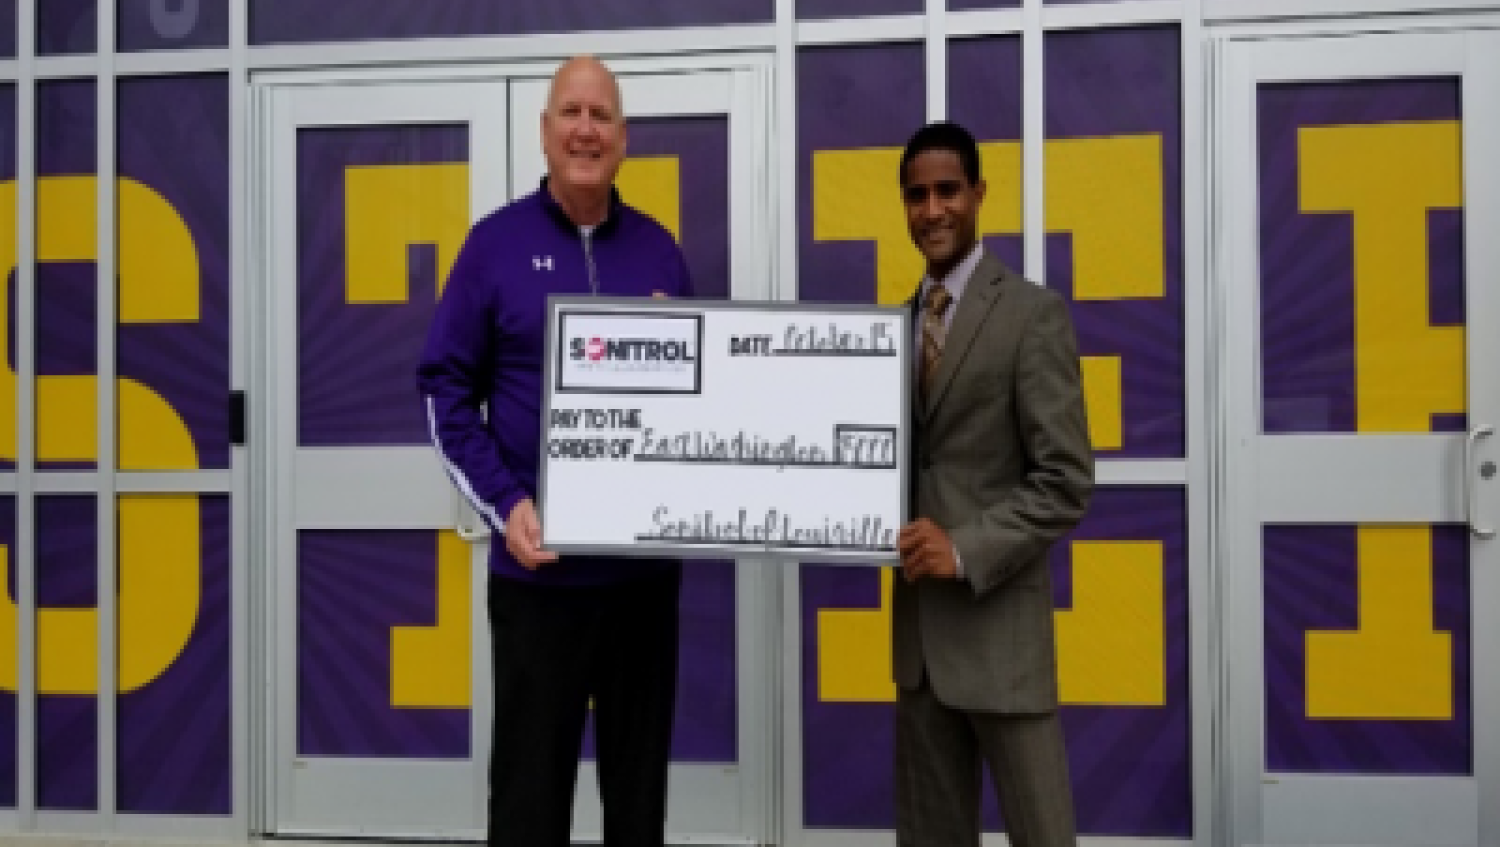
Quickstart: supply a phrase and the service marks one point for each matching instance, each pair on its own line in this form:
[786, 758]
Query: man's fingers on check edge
[912, 535]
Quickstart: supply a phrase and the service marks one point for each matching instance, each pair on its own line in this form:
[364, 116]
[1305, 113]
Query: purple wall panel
[297, 21]
[986, 99]
[67, 728]
[169, 24]
[65, 291]
[1307, 260]
[832, 9]
[67, 27]
[1311, 581]
[1127, 82]
[850, 97]
[357, 363]
[174, 139]
[65, 296]
[174, 754]
[8, 42]
[352, 587]
[1132, 765]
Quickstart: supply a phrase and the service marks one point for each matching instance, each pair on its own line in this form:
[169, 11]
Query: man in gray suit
[1002, 468]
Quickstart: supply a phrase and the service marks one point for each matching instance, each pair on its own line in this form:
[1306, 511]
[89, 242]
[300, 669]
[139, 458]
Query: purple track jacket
[485, 350]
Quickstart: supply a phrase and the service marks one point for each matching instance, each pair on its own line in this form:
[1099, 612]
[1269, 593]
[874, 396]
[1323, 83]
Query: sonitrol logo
[612, 352]
[643, 350]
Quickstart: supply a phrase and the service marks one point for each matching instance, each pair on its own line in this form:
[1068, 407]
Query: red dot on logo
[596, 349]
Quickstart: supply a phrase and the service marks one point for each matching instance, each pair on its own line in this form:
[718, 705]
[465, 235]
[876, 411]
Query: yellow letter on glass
[854, 651]
[1111, 646]
[1395, 665]
[391, 207]
[1405, 369]
[158, 542]
[430, 664]
[650, 183]
[1107, 193]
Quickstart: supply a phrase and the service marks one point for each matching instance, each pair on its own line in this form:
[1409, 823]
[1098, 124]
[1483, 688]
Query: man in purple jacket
[565, 630]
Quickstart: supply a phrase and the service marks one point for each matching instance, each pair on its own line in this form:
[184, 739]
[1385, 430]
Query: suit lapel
[980, 294]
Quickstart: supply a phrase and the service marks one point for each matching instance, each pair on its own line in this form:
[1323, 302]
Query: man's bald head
[585, 70]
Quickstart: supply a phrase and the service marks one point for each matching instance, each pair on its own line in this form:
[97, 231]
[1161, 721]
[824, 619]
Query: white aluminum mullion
[163, 62]
[936, 32]
[873, 29]
[245, 635]
[62, 67]
[980, 22]
[1128, 13]
[25, 347]
[106, 509]
[1204, 646]
[1033, 141]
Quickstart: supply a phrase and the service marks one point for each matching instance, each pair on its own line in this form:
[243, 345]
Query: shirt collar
[611, 217]
[958, 278]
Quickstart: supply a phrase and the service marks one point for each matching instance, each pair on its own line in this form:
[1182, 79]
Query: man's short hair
[944, 135]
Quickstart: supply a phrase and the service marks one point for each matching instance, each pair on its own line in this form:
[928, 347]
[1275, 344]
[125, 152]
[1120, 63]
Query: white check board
[686, 428]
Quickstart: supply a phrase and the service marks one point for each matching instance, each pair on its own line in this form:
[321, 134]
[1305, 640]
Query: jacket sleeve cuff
[504, 505]
[968, 554]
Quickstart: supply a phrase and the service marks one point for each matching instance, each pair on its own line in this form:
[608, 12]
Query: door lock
[1486, 470]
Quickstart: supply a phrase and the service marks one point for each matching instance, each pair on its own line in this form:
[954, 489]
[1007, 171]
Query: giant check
[687, 428]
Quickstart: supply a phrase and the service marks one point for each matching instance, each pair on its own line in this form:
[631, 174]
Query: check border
[558, 305]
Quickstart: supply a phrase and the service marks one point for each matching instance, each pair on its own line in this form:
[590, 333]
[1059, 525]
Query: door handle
[466, 522]
[1471, 480]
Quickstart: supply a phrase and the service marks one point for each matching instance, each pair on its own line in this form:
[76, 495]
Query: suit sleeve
[1052, 424]
[453, 379]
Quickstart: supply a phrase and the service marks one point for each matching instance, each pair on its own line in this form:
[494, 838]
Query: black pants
[556, 651]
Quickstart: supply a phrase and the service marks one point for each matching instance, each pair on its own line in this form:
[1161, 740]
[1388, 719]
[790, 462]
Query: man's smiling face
[583, 130]
[942, 208]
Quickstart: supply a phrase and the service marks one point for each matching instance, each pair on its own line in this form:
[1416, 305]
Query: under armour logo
[540, 262]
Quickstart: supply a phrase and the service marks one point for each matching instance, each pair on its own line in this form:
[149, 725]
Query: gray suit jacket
[1002, 461]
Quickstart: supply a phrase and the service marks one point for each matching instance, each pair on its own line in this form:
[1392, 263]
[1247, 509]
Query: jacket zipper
[588, 259]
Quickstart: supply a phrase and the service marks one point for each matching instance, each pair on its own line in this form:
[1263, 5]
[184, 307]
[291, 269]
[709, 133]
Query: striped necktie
[934, 306]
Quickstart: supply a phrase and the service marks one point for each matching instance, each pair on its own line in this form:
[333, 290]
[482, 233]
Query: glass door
[377, 723]
[1360, 299]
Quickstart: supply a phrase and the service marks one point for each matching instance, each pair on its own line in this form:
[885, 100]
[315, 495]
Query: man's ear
[979, 189]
